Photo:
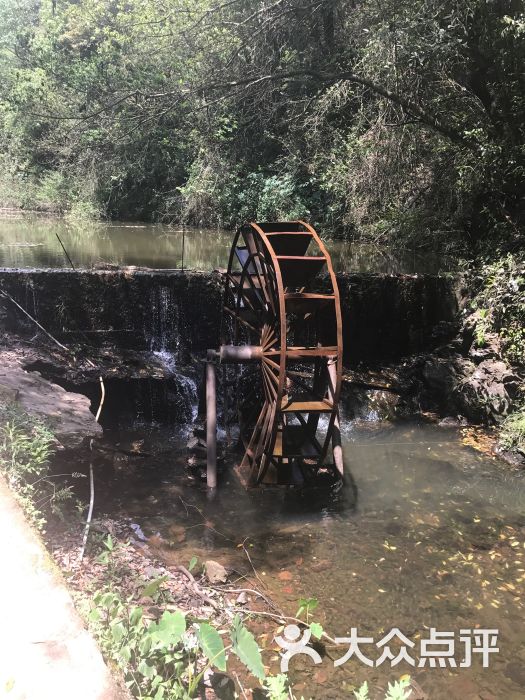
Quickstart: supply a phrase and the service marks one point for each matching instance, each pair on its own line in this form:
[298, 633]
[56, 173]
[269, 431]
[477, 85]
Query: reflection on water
[428, 534]
[29, 242]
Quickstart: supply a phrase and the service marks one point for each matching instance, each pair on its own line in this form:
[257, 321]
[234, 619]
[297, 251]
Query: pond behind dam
[31, 242]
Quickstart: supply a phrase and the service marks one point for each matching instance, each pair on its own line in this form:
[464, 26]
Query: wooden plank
[289, 243]
[304, 303]
[306, 406]
[298, 271]
[292, 441]
[278, 226]
[299, 351]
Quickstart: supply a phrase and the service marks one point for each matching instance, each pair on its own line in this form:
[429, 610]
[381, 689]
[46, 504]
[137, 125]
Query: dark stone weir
[385, 317]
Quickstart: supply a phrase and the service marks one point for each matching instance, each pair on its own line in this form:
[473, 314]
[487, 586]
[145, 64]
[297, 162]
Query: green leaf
[306, 604]
[192, 564]
[118, 631]
[247, 649]
[103, 558]
[94, 615]
[135, 616]
[145, 644]
[125, 654]
[146, 669]
[212, 645]
[169, 629]
[316, 629]
[153, 586]
[362, 693]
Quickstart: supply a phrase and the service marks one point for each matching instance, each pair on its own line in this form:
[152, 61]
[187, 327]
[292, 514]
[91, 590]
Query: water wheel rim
[273, 372]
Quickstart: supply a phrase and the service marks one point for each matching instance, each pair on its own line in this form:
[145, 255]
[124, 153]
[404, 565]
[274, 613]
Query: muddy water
[426, 533]
[29, 242]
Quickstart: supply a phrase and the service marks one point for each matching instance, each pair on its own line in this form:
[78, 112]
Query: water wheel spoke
[270, 381]
[251, 446]
[265, 444]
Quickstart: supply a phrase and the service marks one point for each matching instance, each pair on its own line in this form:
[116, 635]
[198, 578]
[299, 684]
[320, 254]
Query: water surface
[426, 533]
[31, 242]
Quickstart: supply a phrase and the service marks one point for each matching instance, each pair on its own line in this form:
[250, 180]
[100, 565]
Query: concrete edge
[45, 650]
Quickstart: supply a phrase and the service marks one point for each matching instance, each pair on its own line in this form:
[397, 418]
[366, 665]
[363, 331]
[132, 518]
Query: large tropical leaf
[247, 649]
[212, 645]
[169, 629]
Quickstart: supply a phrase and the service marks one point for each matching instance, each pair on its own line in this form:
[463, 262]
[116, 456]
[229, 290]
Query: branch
[8, 296]
[91, 115]
[331, 78]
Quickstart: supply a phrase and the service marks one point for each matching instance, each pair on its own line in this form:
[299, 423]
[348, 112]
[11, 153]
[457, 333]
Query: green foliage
[277, 687]
[108, 548]
[152, 590]
[395, 120]
[399, 690]
[193, 563]
[501, 304]
[212, 645]
[362, 693]
[166, 659]
[316, 629]
[307, 607]
[169, 629]
[157, 660]
[26, 445]
[512, 435]
[246, 648]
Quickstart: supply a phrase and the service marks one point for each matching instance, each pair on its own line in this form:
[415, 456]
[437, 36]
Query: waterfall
[179, 395]
[163, 335]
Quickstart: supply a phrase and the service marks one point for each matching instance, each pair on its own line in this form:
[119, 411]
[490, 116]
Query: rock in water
[215, 572]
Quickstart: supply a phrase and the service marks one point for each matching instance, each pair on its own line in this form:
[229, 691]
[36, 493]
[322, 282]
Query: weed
[512, 436]
[26, 445]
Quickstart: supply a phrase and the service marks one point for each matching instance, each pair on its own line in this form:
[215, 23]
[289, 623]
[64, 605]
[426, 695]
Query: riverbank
[46, 651]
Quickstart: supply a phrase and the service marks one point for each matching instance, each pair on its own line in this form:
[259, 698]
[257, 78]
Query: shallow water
[31, 242]
[426, 533]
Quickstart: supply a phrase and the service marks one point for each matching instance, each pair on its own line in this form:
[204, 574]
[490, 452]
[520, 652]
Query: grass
[26, 446]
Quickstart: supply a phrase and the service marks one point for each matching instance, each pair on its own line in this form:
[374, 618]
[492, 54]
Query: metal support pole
[337, 448]
[211, 421]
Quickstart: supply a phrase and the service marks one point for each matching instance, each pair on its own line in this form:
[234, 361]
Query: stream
[427, 532]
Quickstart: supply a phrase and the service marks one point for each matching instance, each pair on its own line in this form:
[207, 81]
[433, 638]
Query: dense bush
[501, 303]
[512, 436]
[400, 120]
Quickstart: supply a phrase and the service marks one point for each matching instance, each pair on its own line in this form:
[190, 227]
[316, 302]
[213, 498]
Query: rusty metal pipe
[211, 421]
[337, 448]
[240, 353]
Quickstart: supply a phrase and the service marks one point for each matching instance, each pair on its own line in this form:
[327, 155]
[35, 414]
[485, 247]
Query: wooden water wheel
[282, 312]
